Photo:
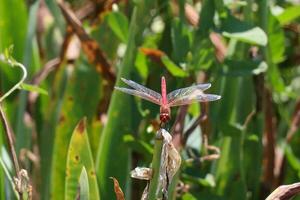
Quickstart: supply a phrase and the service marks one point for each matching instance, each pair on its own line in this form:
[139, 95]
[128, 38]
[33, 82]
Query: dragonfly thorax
[165, 113]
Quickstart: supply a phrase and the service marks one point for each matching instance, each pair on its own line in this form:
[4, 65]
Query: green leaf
[111, 145]
[139, 146]
[173, 68]
[180, 36]
[141, 65]
[289, 15]
[262, 67]
[254, 36]
[276, 40]
[243, 67]
[119, 24]
[203, 55]
[292, 159]
[80, 158]
[33, 88]
[84, 185]
[71, 107]
[188, 196]
[206, 21]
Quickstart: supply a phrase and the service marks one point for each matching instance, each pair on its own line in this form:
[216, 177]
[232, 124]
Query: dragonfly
[179, 97]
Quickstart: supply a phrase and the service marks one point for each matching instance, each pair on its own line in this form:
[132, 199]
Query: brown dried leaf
[142, 173]
[90, 46]
[284, 192]
[118, 190]
[170, 162]
[154, 54]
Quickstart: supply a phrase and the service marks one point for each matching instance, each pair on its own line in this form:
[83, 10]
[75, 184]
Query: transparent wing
[142, 88]
[190, 95]
[140, 91]
[176, 94]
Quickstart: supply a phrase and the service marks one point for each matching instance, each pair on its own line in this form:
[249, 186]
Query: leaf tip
[81, 125]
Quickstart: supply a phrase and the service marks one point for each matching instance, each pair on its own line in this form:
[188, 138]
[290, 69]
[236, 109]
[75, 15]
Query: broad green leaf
[254, 36]
[276, 40]
[111, 145]
[173, 68]
[33, 88]
[228, 171]
[51, 113]
[73, 106]
[119, 24]
[289, 14]
[229, 177]
[9, 36]
[80, 158]
[8, 23]
[181, 37]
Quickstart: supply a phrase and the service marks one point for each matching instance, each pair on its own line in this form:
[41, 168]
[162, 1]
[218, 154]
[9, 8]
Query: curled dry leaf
[142, 173]
[154, 54]
[22, 183]
[170, 162]
[118, 190]
[284, 192]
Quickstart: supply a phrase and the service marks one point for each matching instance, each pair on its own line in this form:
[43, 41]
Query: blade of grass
[111, 145]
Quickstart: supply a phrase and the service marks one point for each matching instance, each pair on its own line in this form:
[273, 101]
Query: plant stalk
[155, 166]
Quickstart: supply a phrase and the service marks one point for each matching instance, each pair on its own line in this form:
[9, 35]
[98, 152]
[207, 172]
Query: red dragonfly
[179, 97]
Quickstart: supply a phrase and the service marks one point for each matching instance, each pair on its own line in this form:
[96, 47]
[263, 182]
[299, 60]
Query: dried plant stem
[9, 134]
[155, 167]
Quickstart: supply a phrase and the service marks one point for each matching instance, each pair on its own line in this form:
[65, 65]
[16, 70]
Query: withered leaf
[284, 192]
[142, 173]
[90, 47]
[118, 190]
[154, 54]
[170, 162]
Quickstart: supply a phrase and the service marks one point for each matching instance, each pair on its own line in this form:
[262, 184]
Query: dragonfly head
[165, 114]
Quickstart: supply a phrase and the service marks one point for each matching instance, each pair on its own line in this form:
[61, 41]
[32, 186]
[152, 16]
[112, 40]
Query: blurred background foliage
[77, 50]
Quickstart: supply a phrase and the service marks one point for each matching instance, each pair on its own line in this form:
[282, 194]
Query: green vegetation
[65, 131]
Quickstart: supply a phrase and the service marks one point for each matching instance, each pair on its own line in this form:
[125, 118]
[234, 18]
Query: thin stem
[16, 86]
[9, 135]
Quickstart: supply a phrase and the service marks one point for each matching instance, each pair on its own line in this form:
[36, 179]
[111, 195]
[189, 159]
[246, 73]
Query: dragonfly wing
[142, 89]
[182, 92]
[190, 95]
[140, 94]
